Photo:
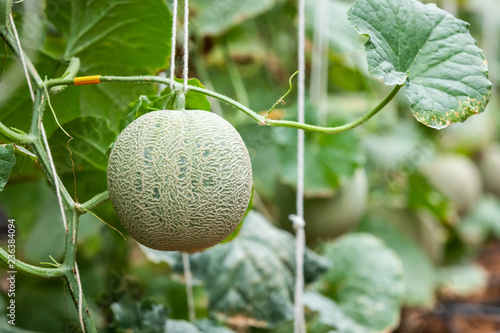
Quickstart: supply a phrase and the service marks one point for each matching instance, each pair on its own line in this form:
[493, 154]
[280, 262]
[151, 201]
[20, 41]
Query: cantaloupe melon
[179, 180]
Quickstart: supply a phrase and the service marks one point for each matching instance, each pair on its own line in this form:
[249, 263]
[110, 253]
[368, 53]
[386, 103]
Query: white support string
[185, 256]
[186, 44]
[188, 277]
[42, 130]
[318, 87]
[54, 175]
[298, 219]
[23, 61]
[80, 297]
[174, 40]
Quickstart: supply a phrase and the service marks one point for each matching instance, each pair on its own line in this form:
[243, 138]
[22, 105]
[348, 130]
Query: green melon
[489, 165]
[329, 216]
[457, 177]
[179, 180]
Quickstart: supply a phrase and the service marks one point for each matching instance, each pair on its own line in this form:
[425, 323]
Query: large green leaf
[330, 317]
[111, 38]
[16, 104]
[143, 317]
[252, 276]
[366, 280]
[119, 36]
[129, 37]
[91, 139]
[462, 280]
[481, 222]
[216, 16]
[263, 152]
[431, 52]
[200, 326]
[7, 161]
[419, 271]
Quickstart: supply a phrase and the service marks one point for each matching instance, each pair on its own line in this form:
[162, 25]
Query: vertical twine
[21, 53]
[185, 256]
[319, 66]
[174, 40]
[186, 44]
[298, 220]
[189, 286]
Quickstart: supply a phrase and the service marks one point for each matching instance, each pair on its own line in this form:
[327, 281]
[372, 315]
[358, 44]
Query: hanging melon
[179, 180]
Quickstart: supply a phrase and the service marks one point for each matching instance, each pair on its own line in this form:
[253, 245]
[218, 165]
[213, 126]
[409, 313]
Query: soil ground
[479, 313]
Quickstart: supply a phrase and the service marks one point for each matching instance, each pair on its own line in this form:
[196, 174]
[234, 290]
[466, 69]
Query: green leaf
[144, 317]
[15, 100]
[330, 317]
[462, 281]
[137, 108]
[166, 101]
[207, 326]
[119, 37]
[419, 271]
[217, 16]
[91, 139]
[252, 276]
[46, 238]
[180, 326]
[431, 52]
[25, 152]
[200, 326]
[7, 161]
[111, 38]
[5, 9]
[194, 100]
[423, 195]
[263, 152]
[365, 279]
[481, 222]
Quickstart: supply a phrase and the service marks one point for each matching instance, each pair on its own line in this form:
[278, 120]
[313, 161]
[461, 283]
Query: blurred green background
[390, 196]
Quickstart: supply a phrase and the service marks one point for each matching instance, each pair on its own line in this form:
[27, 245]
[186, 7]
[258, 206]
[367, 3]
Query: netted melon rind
[179, 180]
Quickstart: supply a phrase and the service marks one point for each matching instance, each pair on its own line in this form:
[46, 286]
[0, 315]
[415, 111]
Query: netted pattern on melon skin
[179, 180]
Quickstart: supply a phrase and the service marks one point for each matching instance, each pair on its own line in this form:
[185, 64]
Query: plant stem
[43, 159]
[258, 118]
[73, 284]
[30, 269]
[14, 136]
[69, 268]
[156, 79]
[70, 73]
[92, 203]
[37, 115]
[72, 274]
[337, 129]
